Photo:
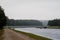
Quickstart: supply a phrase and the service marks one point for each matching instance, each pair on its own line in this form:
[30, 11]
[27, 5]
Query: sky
[31, 9]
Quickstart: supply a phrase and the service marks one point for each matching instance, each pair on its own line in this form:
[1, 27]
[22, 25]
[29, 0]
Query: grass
[55, 27]
[33, 36]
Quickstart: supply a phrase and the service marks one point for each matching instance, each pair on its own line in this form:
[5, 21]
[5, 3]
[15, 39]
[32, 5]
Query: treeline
[12, 22]
[55, 22]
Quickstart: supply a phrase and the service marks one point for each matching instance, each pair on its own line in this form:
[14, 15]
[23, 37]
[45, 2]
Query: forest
[12, 22]
[55, 22]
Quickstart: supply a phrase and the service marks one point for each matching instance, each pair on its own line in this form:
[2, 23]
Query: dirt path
[12, 35]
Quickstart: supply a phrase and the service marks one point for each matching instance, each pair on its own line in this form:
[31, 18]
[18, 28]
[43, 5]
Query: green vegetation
[55, 22]
[12, 22]
[57, 27]
[2, 18]
[33, 36]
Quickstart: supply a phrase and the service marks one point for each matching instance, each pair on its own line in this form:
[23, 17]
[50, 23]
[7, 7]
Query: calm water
[49, 33]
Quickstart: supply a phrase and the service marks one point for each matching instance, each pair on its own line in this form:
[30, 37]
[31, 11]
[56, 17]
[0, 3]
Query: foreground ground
[12, 35]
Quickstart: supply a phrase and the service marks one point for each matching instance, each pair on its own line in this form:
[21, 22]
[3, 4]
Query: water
[49, 33]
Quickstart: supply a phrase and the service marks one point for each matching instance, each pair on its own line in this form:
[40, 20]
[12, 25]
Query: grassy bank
[54, 27]
[33, 36]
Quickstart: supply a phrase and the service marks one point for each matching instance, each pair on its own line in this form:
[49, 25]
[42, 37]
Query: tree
[2, 18]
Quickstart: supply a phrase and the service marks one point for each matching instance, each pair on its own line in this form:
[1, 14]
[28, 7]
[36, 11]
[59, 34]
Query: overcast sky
[31, 9]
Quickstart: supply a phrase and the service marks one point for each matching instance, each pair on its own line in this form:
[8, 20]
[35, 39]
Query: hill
[11, 22]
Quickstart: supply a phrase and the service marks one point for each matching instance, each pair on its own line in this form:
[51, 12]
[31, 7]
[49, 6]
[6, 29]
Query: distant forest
[55, 22]
[12, 22]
